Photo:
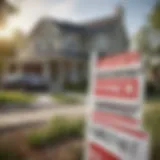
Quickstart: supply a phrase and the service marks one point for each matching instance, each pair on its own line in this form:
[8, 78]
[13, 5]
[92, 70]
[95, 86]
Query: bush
[77, 128]
[59, 129]
[37, 139]
[78, 87]
[152, 91]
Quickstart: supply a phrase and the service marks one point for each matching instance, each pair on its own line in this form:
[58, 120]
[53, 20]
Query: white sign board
[116, 98]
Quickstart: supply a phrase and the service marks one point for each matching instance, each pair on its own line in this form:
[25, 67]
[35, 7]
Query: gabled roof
[104, 23]
[69, 26]
[101, 21]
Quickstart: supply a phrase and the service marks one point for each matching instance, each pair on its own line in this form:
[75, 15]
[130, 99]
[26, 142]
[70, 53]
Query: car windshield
[27, 78]
[12, 77]
[33, 78]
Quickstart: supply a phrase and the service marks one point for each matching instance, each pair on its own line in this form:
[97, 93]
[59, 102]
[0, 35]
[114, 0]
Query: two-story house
[60, 51]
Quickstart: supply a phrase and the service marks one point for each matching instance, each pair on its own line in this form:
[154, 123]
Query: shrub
[62, 128]
[59, 129]
[79, 87]
[37, 139]
[77, 128]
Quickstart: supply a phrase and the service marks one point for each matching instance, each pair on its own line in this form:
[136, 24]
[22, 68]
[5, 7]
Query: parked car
[27, 82]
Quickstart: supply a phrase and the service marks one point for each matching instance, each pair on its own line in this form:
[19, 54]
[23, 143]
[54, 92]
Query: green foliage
[37, 139]
[78, 87]
[154, 16]
[76, 128]
[157, 49]
[142, 40]
[59, 129]
[151, 123]
[6, 8]
[66, 99]
[142, 37]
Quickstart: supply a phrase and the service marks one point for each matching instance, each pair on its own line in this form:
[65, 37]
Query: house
[60, 50]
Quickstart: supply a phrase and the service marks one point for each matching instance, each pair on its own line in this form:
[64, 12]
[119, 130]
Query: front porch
[56, 71]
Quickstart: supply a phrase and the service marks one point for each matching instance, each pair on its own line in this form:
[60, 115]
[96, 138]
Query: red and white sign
[113, 133]
[96, 152]
[119, 61]
[117, 142]
[117, 87]
[108, 118]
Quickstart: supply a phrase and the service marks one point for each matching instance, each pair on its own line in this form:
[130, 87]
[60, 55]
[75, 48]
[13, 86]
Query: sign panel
[116, 93]
[120, 61]
[122, 143]
[121, 87]
[118, 84]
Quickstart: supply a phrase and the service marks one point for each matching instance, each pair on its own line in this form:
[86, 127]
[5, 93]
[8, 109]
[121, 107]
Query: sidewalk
[23, 118]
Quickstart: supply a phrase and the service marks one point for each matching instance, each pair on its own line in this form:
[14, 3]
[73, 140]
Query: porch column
[74, 72]
[46, 70]
[61, 75]
[6, 68]
[19, 68]
[83, 70]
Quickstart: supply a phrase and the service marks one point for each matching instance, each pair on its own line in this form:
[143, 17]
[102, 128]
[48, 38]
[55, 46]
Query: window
[101, 42]
[72, 42]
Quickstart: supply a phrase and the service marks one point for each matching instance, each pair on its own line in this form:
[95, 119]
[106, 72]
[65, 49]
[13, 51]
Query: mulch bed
[16, 142]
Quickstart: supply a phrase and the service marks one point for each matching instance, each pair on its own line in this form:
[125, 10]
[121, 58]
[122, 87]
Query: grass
[15, 97]
[23, 97]
[66, 99]
[152, 125]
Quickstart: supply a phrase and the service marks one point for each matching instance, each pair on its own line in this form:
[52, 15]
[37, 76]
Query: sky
[30, 11]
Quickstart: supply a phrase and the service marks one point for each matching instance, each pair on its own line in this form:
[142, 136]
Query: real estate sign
[116, 97]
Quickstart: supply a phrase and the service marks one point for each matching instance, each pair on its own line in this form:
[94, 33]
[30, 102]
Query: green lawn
[61, 98]
[24, 97]
[15, 97]
[152, 125]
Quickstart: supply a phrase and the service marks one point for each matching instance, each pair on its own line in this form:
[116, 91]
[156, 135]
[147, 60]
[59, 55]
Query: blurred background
[45, 48]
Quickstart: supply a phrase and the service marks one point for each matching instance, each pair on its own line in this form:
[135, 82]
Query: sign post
[116, 91]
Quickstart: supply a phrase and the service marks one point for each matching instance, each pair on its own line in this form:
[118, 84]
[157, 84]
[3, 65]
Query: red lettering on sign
[117, 87]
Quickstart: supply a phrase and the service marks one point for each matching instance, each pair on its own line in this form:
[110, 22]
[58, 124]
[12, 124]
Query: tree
[157, 49]
[142, 40]
[154, 16]
[5, 10]
[7, 47]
